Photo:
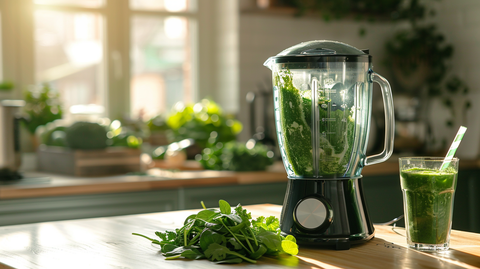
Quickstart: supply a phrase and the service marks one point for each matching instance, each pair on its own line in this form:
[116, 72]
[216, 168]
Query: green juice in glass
[428, 204]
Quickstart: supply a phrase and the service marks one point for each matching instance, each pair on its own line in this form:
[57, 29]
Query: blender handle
[389, 120]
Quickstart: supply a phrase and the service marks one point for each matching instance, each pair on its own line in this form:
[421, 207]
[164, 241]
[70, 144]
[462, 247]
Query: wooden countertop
[42, 184]
[108, 243]
[36, 184]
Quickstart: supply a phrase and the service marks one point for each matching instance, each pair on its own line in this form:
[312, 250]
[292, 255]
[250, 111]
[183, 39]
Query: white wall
[459, 21]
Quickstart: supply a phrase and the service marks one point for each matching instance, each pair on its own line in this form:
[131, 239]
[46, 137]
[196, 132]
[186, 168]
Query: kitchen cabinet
[29, 210]
[72, 198]
[62, 198]
[272, 193]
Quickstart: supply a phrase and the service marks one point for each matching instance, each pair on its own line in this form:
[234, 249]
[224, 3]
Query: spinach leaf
[168, 247]
[234, 243]
[225, 207]
[290, 247]
[259, 252]
[232, 217]
[193, 254]
[230, 261]
[209, 237]
[228, 235]
[272, 241]
[206, 215]
[219, 252]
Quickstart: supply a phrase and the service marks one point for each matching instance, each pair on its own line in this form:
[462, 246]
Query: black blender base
[330, 213]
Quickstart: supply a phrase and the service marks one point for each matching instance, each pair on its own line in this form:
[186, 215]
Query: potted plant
[42, 105]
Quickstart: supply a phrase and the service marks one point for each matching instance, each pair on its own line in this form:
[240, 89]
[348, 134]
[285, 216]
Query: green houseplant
[42, 105]
[6, 86]
[419, 57]
[205, 122]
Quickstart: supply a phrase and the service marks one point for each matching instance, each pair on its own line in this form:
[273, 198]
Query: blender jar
[323, 100]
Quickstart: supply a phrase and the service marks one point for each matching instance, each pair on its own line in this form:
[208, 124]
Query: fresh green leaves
[216, 252]
[289, 245]
[225, 235]
[236, 156]
[209, 237]
[225, 207]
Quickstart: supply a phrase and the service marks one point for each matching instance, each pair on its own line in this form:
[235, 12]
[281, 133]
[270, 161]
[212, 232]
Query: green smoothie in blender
[428, 195]
[296, 120]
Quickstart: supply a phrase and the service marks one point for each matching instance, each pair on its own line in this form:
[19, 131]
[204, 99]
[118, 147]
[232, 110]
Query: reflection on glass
[68, 54]
[80, 3]
[161, 60]
[165, 5]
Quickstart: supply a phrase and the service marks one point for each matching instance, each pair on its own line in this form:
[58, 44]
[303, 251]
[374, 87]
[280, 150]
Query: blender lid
[319, 50]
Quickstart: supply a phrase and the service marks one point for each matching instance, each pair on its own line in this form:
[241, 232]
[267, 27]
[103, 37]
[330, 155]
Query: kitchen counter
[36, 184]
[109, 243]
[47, 197]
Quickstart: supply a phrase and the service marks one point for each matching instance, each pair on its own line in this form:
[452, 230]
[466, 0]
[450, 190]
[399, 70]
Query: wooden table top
[108, 243]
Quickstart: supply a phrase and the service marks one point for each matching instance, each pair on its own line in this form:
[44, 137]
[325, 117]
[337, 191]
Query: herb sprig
[225, 235]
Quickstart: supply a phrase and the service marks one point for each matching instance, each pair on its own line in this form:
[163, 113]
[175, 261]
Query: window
[132, 57]
[69, 54]
[161, 56]
[136, 58]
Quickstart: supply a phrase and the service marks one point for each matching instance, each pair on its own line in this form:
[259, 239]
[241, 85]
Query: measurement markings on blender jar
[329, 119]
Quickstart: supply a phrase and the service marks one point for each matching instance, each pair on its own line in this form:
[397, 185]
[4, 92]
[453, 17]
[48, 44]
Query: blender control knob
[312, 213]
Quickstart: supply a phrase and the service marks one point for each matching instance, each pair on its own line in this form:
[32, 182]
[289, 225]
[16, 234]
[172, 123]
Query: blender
[322, 94]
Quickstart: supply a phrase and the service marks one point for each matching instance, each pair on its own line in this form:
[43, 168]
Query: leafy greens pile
[225, 236]
[236, 156]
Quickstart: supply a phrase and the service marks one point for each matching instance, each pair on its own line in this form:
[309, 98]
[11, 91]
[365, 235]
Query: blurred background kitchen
[154, 73]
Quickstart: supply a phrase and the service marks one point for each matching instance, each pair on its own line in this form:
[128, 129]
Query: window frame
[215, 62]
[17, 35]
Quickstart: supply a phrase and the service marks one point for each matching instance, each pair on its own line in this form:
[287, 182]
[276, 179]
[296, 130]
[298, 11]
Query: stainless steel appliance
[10, 157]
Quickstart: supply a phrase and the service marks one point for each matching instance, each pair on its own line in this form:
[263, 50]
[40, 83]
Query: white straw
[453, 147]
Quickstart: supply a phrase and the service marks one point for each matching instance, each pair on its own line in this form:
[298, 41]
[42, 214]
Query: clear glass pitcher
[323, 101]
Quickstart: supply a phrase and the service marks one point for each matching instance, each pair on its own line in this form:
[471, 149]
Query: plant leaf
[216, 252]
[166, 236]
[219, 252]
[193, 254]
[230, 261]
[291, 238]
[272, 241]
[209, 237]
[191, 217]
[238, 227]
[290, 247]
[234, 243]
[168, 247]
[225, 207]
[207, 215]
[259, 252]
[234, 217]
